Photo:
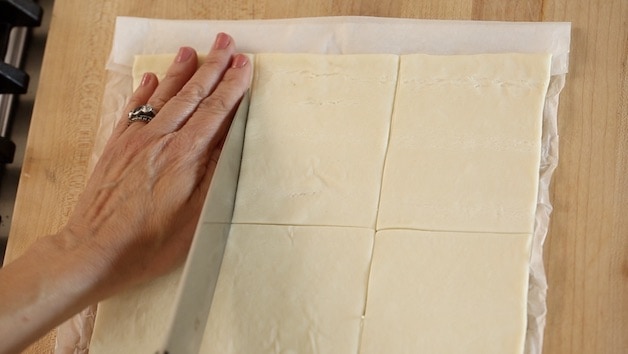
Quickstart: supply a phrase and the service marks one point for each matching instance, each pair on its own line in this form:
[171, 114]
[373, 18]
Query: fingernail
[146, 78]
[239, 61]
[222, 41]
[184, 54]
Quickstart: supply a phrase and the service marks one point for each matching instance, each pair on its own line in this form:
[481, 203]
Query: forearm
[52, 281]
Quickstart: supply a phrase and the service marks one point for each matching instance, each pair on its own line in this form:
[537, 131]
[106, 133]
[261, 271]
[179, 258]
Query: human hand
[141, 205]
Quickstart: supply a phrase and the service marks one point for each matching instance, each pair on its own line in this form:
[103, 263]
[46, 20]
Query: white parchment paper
[348, 35]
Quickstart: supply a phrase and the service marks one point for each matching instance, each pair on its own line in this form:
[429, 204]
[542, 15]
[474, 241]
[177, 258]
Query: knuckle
[217, 103]
[231, 80]
[174, 75]
[235, 84]
[157, 102]
[179, 149]
[193, 91]
[182, 100]
[214, 60]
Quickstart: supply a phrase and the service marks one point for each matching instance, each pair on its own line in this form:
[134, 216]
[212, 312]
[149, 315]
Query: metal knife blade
[200, 273]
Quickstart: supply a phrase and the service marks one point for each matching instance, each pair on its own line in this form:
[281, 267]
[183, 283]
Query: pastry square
[315, 139]
[290, 289]
[443, 292]
[465, 143]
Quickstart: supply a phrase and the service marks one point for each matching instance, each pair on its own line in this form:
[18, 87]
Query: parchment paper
[348, 35]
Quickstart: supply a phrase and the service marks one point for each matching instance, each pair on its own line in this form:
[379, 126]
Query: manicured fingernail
[146, 78]
[222, 41]
[239, 61]
[184, 54]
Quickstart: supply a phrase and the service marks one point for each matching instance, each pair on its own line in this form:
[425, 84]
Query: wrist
[46, 285]
[88, 264]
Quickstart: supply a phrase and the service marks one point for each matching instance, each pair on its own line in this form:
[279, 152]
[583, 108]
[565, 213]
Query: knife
[200, 273]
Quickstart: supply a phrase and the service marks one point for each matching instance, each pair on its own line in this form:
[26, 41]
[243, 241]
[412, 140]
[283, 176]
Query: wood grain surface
[586, 252]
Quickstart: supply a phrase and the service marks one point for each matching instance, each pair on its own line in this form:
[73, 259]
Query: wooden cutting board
[586, 253]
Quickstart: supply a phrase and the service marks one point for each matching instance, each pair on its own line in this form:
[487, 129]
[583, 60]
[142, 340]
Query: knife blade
[200, 273]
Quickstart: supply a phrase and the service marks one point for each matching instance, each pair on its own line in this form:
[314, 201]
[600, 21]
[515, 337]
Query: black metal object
[25, 13]
[17, 13]
[16, 16]
[12, 79]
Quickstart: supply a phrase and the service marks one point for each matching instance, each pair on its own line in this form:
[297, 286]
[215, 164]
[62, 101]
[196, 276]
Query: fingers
[157, 93]
[202, 83]
[208, 125]
[179, 72]
[200, 103]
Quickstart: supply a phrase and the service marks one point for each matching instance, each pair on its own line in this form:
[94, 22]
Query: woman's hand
[137, 215]
[143, 201]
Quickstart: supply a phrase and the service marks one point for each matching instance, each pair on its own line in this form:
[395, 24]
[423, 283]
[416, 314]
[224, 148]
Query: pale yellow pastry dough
[136, 320]
[290, 289]
[316, 139]
[465, 143]
[442, 292]
[157, 64]
[462, 156]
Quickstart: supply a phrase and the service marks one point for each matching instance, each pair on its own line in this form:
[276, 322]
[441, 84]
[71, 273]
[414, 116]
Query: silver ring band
[144, 113]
